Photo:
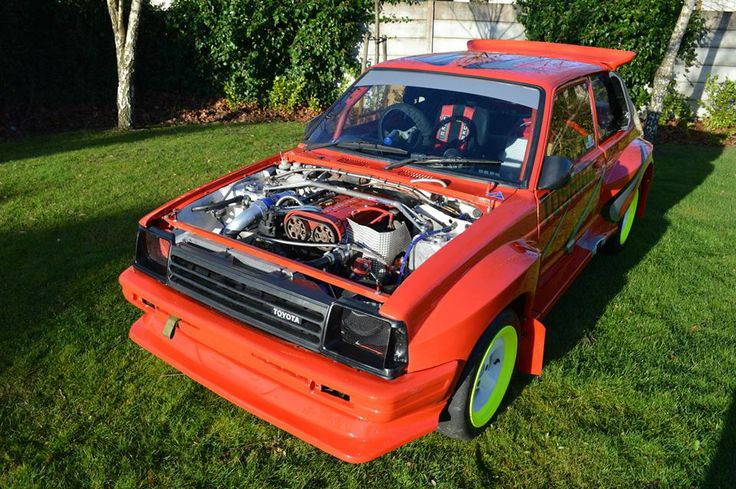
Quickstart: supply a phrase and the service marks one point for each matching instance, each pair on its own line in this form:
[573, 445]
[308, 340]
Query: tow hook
[170, 327]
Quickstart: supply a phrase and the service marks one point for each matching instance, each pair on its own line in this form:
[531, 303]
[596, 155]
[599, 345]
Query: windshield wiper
[360, 146]
[435, 159]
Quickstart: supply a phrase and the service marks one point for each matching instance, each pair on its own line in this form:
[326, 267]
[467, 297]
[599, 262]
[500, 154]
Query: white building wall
[716, 53]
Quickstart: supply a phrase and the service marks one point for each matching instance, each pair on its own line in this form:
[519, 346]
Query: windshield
[471, 126]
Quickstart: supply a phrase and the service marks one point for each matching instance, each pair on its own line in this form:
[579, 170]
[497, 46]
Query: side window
[611, 107]
[571, 131]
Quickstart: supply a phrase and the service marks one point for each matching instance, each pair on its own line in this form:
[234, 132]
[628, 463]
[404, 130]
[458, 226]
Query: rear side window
[611, 108]
[571, 132]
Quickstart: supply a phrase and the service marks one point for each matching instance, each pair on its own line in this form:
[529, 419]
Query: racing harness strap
[455, 131]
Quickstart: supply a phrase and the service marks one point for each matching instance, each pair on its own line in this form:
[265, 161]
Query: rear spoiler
[604, 57]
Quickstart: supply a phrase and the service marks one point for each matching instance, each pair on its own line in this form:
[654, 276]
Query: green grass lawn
[638, 388]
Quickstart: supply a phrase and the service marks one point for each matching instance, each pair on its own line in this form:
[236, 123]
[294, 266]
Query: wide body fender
[632, 170]
[449, 332]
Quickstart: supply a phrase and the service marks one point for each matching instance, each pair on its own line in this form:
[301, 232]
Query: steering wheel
[470, 130]
[423, 128]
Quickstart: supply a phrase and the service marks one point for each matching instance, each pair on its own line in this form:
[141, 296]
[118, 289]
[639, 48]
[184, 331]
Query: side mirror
[556, 172]
[312, 124]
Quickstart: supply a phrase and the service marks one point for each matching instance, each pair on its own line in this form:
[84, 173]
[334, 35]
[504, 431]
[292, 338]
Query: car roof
[537, 63]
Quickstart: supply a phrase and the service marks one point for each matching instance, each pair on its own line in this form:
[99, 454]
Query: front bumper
[283, 383]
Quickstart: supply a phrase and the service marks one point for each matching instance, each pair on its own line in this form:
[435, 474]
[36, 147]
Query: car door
[564, 212]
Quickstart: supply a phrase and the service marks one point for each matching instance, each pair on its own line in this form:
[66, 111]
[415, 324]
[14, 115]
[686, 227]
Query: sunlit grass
[638, 384]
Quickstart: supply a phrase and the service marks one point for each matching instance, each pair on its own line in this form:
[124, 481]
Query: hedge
[289, 53]
[244, 45]
[55, 52]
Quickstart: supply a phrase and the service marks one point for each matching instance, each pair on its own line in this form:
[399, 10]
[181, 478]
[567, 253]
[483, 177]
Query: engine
[331, 224]
[371, 231]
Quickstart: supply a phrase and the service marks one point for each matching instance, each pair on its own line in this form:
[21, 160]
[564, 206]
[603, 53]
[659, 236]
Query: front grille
[269, 301]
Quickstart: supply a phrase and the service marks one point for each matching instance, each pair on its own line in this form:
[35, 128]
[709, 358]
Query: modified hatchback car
[386, 277]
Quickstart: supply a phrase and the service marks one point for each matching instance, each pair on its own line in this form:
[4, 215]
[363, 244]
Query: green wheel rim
[493, 376]
[628, 219]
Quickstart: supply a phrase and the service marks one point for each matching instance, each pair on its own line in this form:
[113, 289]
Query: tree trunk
[665, 71]
[377, 24]
[125, 43]
[125, 99]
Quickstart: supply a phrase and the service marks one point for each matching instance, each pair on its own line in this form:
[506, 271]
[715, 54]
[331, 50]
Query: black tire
[617, 241]
[455, 420]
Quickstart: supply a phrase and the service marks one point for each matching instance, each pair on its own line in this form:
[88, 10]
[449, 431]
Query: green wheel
[493, 376]
[616, 242]
[485, 380]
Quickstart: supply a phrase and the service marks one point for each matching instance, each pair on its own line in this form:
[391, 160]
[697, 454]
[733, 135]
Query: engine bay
[371, 231]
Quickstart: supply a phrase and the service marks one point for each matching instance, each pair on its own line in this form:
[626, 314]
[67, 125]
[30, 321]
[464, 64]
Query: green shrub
[62, 52]
[244, 45]
[720, 103]
[675, 107]
[643, 26]
[325, 47]
[287, 93]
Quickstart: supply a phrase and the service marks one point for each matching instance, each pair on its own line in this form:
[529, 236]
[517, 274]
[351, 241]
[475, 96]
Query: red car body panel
[524, 251]
[282, 383]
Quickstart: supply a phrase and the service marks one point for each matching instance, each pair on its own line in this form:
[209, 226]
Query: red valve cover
[330, 225]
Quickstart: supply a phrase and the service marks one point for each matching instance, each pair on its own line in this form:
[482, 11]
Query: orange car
[385, 278]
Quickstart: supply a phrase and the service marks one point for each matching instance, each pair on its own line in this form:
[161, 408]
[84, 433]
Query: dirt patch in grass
[696, 134]
[170, 110]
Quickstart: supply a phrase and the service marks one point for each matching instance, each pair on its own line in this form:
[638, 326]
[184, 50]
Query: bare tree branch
[112, 8]
[121, 17]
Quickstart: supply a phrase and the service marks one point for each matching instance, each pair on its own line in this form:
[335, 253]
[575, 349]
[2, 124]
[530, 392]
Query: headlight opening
[358, 336]
[152, 251]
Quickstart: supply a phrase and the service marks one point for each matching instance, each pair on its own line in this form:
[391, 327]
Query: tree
[125, 41]
[664, 73]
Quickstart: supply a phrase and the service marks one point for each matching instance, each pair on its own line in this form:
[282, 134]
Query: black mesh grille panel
[268, 301]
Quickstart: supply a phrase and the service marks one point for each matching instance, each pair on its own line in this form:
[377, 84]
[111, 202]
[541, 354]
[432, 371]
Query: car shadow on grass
[49, 272]
[583, 304]
[722, 470]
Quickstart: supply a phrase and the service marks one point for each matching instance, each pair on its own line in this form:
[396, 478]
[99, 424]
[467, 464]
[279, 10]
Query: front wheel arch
[455, 419]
